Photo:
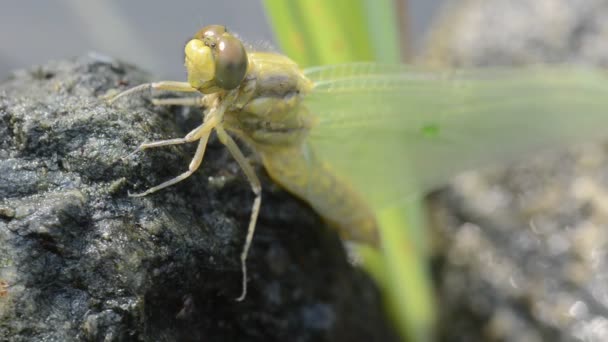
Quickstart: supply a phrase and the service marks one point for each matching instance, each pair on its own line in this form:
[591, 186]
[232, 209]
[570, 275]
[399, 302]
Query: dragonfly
[352, 139]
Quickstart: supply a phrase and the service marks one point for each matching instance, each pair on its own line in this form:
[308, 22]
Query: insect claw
[244, 290]
[140, 194]
[139, 149]
[156, 102]
[142, 87]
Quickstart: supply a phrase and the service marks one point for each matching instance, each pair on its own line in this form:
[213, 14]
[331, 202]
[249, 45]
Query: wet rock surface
[522, 250]
[80, 260]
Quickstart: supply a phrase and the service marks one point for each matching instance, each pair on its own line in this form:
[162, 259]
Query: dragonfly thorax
[268, 108]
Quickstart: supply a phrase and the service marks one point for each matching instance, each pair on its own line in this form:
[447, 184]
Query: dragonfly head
[215, 60]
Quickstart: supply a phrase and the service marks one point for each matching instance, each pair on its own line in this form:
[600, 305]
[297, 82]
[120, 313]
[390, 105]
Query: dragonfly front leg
[256, 187]
[180, 101]
[194, 165]
[201, 134]
[182, 87]
[193, 136]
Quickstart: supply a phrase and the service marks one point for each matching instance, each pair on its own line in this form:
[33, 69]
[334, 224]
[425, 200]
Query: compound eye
[230, 62]
[210, 31]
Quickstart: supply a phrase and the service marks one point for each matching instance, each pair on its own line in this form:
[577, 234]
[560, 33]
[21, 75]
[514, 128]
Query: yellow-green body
[269, 115]
[259, 97]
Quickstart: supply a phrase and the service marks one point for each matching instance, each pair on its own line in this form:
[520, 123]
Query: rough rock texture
[523, 250]
[80, 260]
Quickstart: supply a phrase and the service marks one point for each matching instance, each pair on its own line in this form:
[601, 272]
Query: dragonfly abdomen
[298, 170]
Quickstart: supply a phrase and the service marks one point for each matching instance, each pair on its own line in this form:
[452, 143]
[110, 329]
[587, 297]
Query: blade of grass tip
[290, 31]
[337, 30]
[331, 30]
[381, 16]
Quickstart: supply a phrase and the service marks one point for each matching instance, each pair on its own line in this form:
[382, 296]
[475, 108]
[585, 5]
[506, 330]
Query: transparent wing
[396, 131]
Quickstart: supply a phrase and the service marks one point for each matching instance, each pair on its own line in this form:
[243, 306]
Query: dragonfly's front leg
[194, 135]
[182, 87]
[194, 165]
[201, 134]
[180, 101]
[256, 187]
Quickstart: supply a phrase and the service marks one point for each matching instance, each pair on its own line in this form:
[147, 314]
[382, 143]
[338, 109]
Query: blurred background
[149, 33]
[532, 267]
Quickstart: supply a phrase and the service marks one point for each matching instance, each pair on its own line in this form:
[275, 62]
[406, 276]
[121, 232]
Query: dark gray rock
[522, 251]
[80, 260]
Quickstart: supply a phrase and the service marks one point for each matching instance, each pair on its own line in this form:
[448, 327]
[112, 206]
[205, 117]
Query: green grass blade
[290, 31]
[383, 29]
[317, 32]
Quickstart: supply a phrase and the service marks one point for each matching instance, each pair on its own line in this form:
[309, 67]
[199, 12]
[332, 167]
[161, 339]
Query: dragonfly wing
[395, 131]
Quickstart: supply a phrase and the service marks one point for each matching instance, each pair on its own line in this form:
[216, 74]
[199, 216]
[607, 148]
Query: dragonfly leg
[182, 87]
[179, 101]
[256, 187]
[194, 165]
[194, 135]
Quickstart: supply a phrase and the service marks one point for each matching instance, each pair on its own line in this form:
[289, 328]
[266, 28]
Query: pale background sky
[149, 33]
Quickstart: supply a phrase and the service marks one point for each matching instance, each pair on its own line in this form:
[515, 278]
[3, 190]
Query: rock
[80, 260]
